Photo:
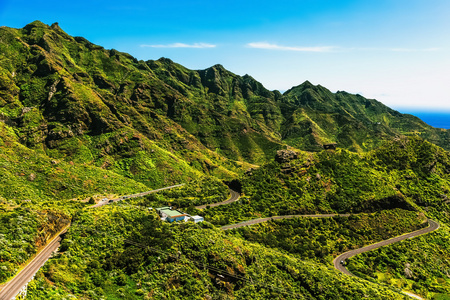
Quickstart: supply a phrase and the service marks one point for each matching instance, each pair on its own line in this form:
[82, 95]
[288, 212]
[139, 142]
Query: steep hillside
[31, 176]
[77, 101]
[420, 265]
[407, 173]
[79, 121]
[128, 253]
[60, 92]
[315, 116]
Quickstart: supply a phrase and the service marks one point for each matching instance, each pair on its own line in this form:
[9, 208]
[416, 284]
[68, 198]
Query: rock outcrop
[284, 156]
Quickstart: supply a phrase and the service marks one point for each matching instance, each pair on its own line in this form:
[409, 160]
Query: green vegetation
[204, 190]
[79, 123]
[97, 260]
[23, 232]
[77, 101]
[420, 265]
[30, 175]
[406, 173]
[325, 238]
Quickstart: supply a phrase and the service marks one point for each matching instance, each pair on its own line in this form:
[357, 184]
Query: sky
[395, 51]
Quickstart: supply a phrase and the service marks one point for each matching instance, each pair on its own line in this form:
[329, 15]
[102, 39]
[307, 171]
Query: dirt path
[107, 201]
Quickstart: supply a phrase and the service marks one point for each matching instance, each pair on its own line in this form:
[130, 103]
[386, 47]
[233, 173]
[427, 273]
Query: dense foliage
[31, 176]
[420, 265]
[324, 238]
[22, 233]
[80, 102]
[406, 173]
[121, 252]
[79, 123]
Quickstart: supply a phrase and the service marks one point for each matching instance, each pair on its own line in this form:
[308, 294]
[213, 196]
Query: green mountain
[75, 100]
[79, 122]
[63, 94]
[407, 173]
[316, 116]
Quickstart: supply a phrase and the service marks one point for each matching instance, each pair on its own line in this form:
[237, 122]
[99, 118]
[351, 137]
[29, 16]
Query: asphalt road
[339, 262]
[234, 196]
[256, 221]
[341, 258]
[135, 195]
[12, 288]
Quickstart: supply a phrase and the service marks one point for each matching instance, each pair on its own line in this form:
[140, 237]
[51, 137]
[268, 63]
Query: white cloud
[414, 50]
[268, 46]
[181, 45]
[393, 49]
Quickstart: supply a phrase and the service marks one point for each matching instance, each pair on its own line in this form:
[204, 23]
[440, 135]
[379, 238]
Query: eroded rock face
[284, 156]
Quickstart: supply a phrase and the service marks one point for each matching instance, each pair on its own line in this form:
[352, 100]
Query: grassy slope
[31, 175]
[405, 173]
[420, 265]
[408, 173]
[131, 272]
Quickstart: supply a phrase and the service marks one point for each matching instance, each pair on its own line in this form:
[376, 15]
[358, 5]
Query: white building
[197, 219]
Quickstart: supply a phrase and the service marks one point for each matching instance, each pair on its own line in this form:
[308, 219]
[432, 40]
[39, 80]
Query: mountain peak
[301, 87]
[165, 60]
[215, 105]
[307, 83]
[218, 66]
[55, 26]
[37, 23]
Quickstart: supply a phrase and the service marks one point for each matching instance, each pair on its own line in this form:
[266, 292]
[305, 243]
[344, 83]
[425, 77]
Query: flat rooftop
[172, 213]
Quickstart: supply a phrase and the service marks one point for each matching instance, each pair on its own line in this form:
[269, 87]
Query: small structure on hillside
[331, 146]
[171, 215]
[197, 219]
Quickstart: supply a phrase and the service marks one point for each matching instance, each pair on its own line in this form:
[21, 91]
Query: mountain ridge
[61, 90]
[80, 123]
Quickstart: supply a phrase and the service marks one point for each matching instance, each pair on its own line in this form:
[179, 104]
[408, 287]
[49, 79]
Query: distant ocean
[438, 120]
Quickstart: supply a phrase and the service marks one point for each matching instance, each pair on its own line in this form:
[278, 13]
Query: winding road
[234, 196]
[339, 262]
[12, 288]
[261, 220]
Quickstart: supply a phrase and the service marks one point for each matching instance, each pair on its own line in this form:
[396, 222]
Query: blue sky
[396, 51]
